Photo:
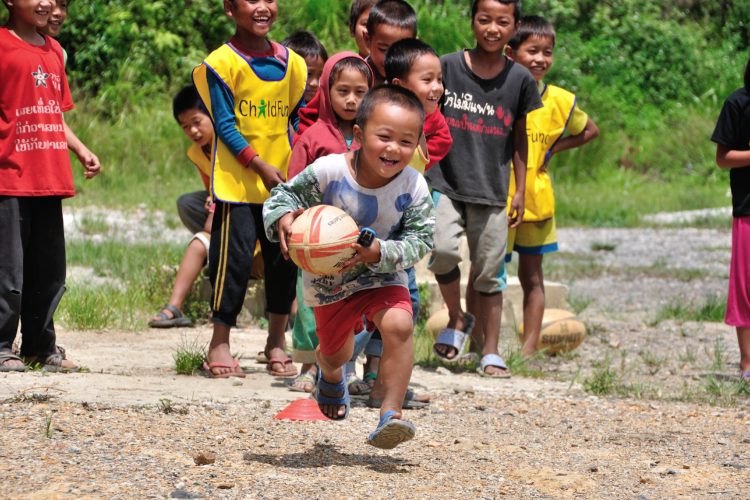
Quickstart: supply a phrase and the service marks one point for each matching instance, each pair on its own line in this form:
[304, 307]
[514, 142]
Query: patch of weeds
[599, 246]
[653, 362]
[48, 431]
[92, 224]
[579, 304]
[688, 357]
[712, 309]
[727, 392]
[520, 365]
[595, 329]
[719, 355]
[425, 300]
[189, 356]
[158, 289]
[167, 407]
[603, 380]
[423, 353]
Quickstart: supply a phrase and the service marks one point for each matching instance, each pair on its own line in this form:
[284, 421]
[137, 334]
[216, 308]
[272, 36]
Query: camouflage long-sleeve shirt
[401, 213]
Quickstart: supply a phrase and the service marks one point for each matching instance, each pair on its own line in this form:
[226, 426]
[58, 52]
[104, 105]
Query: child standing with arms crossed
[377, 188]
[251, 87]
[532, 47]
[35, 176]
[486, 102]
[732, 138]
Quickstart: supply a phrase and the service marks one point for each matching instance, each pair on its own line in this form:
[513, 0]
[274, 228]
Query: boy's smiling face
[380, 41]
[535, 53]
[494, 25]
[31, 12]
[253, 18]
[197, 126]
[387, 141]
[425, 79]
[57, 18]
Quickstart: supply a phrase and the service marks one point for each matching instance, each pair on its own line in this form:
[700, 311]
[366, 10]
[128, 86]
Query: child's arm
[731, 158]
[88, 159]
[225, 124]
[589, 133]
[415, 241]
[520, 156]
[287, 201]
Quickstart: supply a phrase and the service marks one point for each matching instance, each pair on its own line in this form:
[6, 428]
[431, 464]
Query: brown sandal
[7, 355]
[53, 362]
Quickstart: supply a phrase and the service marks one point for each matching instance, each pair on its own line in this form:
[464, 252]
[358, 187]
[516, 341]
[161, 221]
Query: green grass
[712, 309]
[189, 356]
[144, 285]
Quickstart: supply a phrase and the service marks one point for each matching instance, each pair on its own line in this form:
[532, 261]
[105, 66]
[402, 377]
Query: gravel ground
[671, 423]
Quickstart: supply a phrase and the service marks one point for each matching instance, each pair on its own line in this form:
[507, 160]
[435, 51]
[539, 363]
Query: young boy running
[35, 176]
[315, 55]
[251, 87]
[196, 124]
[487, 99]
[546, 130]
[378, 189]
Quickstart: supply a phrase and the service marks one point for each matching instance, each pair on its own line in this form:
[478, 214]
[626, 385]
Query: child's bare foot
[9, 362]
[220, 362]
[55, 362]
[280, 364]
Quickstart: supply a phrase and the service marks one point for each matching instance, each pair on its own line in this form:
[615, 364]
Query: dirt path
[131, 428]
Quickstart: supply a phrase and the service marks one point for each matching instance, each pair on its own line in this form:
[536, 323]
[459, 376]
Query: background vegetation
[652, 74]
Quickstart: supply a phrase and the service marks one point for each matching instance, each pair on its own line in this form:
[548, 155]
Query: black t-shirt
[481, 114]
[733, 131]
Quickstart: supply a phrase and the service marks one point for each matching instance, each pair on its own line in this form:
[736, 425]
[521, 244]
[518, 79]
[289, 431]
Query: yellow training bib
[544, 127]
[262, 110]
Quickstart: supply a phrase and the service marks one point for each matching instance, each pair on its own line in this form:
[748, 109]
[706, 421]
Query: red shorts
[336, 322]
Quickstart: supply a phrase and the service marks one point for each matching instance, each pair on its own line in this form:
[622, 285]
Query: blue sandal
[329, 388]
[391, 432]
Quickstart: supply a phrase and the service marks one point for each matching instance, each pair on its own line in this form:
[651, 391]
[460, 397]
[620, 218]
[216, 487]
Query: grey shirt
[481, 115]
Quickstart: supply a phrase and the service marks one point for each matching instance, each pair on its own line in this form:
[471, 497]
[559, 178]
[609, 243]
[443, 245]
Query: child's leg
[190, 267]
[233, 238]
[532, 282]
[280, 293]
[191, 207]
[486, 232]
[397, 328]
[449, 225]
[743, 337]
[331, 372]
[43, 281]
[11, 278]
[304, 342]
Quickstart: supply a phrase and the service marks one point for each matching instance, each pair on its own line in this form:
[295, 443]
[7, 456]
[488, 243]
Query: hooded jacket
[324, 136]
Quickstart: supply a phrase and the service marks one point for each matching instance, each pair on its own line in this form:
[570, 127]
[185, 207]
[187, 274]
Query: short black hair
[390, 94]
[393, 13]
[515, 3]
[358, 7]
[401, 56]
[186, 99]
[305, 44]
[355, 63]
[529, 26]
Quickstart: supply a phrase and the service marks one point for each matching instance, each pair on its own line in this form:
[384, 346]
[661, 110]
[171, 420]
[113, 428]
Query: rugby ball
[561, 332]
[321, 239]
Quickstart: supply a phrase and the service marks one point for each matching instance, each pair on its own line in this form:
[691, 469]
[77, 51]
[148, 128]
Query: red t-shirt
[34, 94]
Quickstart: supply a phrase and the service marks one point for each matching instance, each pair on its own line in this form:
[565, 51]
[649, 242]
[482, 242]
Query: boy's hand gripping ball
[321, 239]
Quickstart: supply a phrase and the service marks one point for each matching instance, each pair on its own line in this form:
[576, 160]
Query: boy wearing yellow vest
[532, 47]
[251, 87]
